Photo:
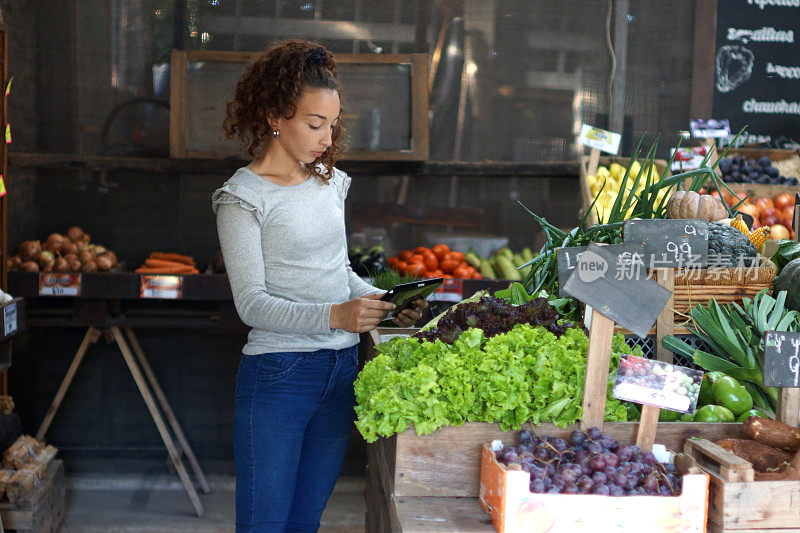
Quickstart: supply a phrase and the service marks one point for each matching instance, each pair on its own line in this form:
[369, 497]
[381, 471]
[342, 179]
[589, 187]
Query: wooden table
[431, 515]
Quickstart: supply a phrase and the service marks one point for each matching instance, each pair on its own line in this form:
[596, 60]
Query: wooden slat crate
[739, 504]
[42, 509]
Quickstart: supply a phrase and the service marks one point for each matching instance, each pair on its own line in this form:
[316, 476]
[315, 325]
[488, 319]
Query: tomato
[416, 270]
[477, 275]
[392, 261]
[784, 200]
[447, 276]
[455, 256]
[416, 258]
[448, 266]
[461, 272]
[405, 254]
[437, 273]
[420, 250]
[440, 250]
[430, 262]
[401, 267]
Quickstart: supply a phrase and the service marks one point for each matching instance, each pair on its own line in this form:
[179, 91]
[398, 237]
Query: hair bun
[317, 56]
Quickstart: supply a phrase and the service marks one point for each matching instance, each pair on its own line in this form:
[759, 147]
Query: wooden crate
[739, 504]
[447, 462]
[42, 509]
[586, 194]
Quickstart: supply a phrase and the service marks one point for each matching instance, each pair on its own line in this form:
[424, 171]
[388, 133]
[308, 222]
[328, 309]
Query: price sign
[602, 140]
[782, 359]
[10, 319]
[710, 129]
[567, 259]
[686, 159]
[657, 383]
[616, 285]
[450, 291]
[670, 243]
[161, 287]
[52, 284]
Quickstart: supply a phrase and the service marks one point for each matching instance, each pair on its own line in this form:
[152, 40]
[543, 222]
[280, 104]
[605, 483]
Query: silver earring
[276, 133]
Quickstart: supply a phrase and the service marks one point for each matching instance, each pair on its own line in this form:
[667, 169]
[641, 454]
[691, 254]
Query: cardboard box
[505, 495]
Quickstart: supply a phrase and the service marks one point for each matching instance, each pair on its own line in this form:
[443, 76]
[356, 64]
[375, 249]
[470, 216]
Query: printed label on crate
[687, 158]
[710, 129]
[605, 141]
[161, 286]
[10, 319]
[782, 359]
[450, 291]
[52, 284]
[657, 383]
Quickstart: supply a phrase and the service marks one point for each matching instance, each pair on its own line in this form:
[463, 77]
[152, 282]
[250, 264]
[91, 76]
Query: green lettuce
[525, 375]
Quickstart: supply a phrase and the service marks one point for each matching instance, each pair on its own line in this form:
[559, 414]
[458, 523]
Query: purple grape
[599, 478]
[595, 448]
[669, 468]
[665, 491]
[621, 480]
[510, 457]
[560, 445]
[651, 485]
[597, 463]
[611, 459]
[537, 472]
[586, 469]
[537, 486]
[649, 459]
[603, 490]
[624, 454]
[594, 433]
[577, 437]
[616, 491]
[571, 489]
[552, 490]
[585, 483]
[608, 442]
[569, 476]
[610, 471]
[525, 437]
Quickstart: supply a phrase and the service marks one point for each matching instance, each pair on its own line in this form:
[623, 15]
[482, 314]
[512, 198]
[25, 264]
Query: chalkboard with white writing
[670, 243]
[782, 359]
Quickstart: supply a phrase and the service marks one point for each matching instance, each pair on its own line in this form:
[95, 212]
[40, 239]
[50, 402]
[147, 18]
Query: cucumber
[473, 260]
[527, 254]
[487, 271]
[518, 260]
[506, 269]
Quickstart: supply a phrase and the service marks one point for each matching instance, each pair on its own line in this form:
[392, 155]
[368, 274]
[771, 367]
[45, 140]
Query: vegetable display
[612, 182]
[435, 262]
[738, 170]
[525, 375]
[168, 263]
[368, 263]
[73, 252]
[590, 463]
[689, 204]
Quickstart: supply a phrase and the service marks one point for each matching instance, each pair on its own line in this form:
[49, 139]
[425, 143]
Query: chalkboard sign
[567, 259]
[757, 68]
[782, 359]
[616, 286]
[670, 243]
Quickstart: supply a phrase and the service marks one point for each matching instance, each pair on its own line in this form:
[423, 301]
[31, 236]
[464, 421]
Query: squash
[689, 204]
[726, 245]
[789, 280]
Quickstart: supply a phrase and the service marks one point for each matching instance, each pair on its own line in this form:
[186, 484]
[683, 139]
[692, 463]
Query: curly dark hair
[272, 86]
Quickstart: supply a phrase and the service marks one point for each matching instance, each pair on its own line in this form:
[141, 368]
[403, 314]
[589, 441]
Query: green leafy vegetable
[526, 374]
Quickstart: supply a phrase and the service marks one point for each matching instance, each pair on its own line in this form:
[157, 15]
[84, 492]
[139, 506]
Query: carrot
[159, 263]
[176, 258]
[163, 270]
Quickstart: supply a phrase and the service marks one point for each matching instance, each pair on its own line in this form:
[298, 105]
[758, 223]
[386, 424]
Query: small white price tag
[161, 287]
[605, 141]
[688, 158]
[710, 129]
[450, 291]
[10, 319]
[51, 284]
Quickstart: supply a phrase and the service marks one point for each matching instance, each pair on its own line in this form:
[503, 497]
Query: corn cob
[759, 236]
[740, 224]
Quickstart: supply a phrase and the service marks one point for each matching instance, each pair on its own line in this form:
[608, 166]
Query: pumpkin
[728, 247]
[789, 281]
[689, 204]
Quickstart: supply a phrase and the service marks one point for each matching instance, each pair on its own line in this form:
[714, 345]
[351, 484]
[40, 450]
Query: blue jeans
[294, 415]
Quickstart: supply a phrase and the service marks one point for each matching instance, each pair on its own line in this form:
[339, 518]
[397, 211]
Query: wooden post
[594, 162]
[665, 325]
[789, 399]
[598, 357]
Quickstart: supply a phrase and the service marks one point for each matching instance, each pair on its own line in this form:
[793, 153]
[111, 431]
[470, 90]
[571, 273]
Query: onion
[111, 257]
[54, 242]
[61, 265]
[71, 257]
[103, 263]
[46, 260]
[29, 249]
[75, 266]
[89, 267]
[98, 250]
[74, 233]
[85, 256]
[16, 260]
[29, 266]
[86, 239]
[69, 248]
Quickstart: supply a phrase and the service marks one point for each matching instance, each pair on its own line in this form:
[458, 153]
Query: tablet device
[405, 295]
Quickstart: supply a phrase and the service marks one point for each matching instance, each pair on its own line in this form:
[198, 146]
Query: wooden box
[739, 504]
[42, 509]
[586, 195]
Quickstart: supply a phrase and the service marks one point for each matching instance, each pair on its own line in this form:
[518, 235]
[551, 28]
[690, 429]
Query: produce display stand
[100, 307]
[588, 166]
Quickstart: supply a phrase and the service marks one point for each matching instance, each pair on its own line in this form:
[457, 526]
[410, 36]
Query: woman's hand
[360, 315]
[408, 317]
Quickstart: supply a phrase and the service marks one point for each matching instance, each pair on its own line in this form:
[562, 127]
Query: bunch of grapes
[590, 463]
[495, 316]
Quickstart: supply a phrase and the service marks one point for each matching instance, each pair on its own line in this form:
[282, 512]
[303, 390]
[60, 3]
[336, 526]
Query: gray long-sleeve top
[285, 252]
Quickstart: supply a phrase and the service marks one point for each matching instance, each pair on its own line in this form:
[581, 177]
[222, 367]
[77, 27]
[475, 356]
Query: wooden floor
[130, 504]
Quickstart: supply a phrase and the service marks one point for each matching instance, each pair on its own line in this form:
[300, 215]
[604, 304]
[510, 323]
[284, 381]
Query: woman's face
[307, 134]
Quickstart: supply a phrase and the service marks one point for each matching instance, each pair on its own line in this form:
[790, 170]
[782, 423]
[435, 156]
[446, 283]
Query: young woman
[281, 228]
